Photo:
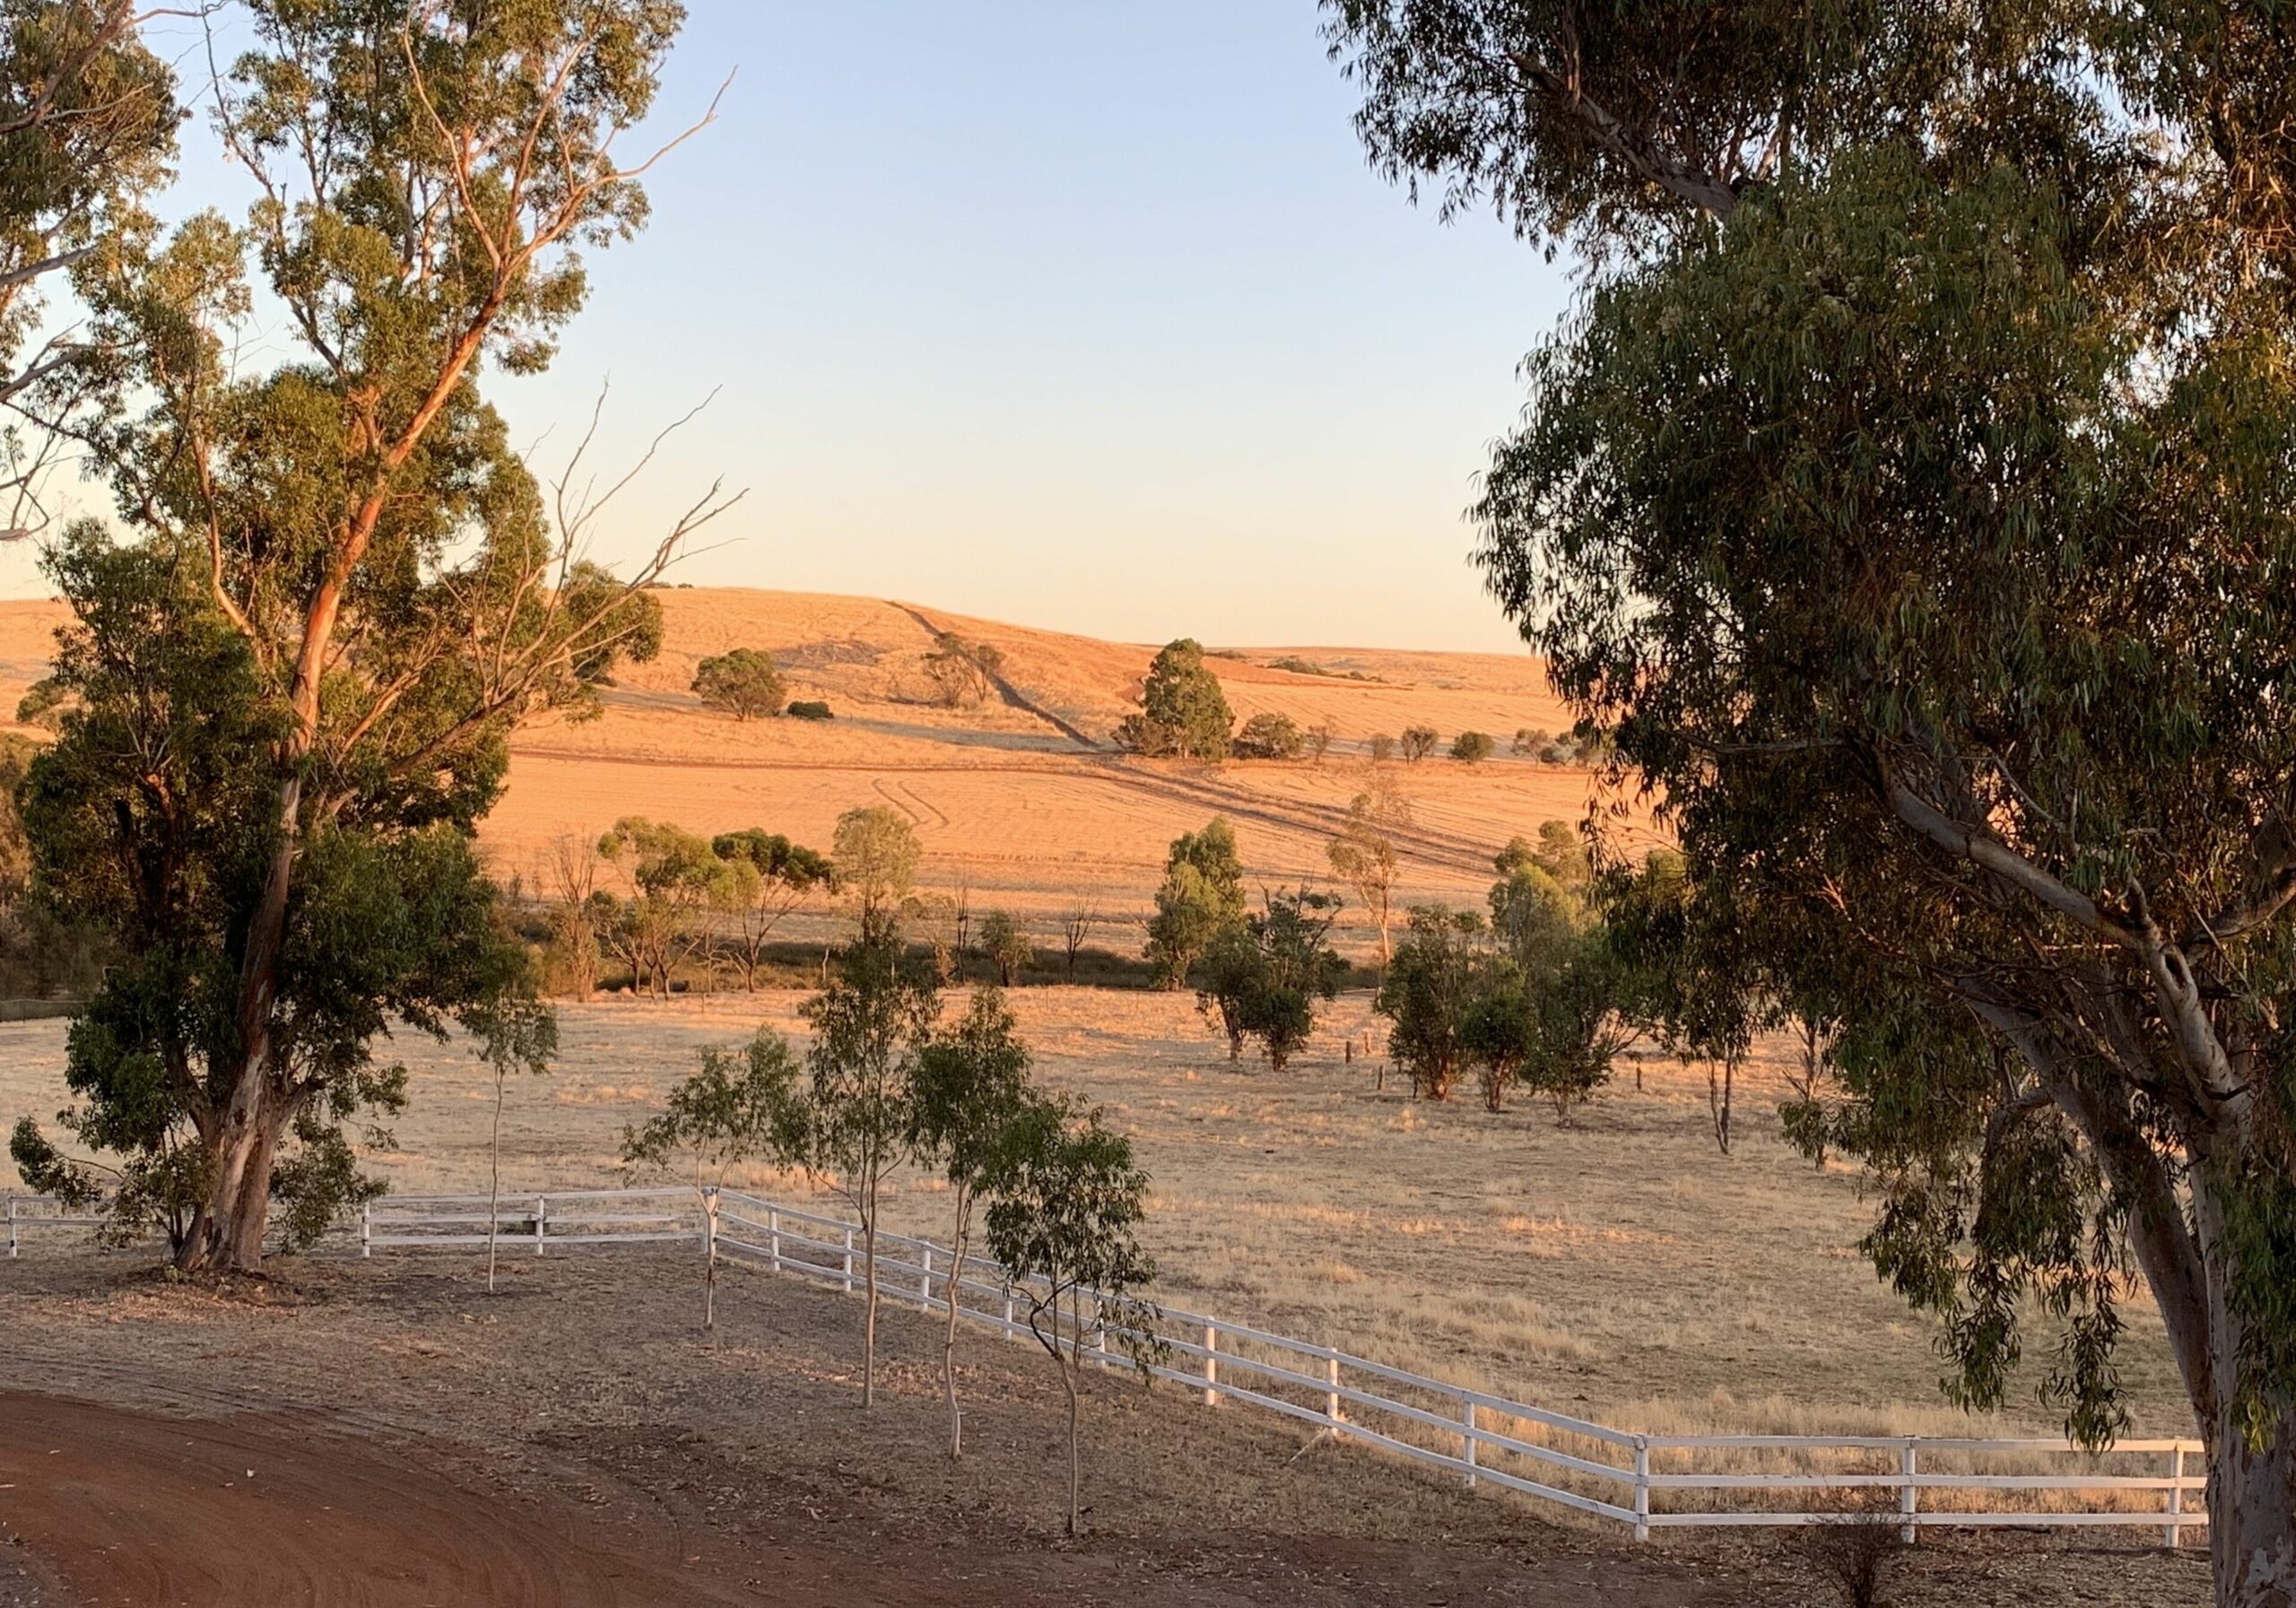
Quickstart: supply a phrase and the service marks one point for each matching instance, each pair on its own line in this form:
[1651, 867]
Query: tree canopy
[333, 589]
[1183, 712]
[1910, 494]
[742, 681]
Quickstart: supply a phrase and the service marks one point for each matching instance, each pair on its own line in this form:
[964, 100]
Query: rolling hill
[1022, 799]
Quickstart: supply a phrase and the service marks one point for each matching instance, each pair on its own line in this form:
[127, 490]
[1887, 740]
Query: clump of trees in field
[963, 672]
[1183, 712]
[742, 683]
[1524, 996]
[1269, 735]
[1201, 897]
[1260, 975]
[1267, 978]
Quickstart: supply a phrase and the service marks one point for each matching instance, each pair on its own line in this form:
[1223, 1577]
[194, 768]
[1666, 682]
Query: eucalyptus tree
[334, 589]
[1912, 492]
[87, 117]
[787, 874]
[1064, 1218]
[861, 1123]
[971, 1086]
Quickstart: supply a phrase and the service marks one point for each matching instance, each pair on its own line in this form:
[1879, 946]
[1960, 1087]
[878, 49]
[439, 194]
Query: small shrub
[1853, 1549]
[810, 709]
[742, 683]
[1471, 748]
[1268, 736]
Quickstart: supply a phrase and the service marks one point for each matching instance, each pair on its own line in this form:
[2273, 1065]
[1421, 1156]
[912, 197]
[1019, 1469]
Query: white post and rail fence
[1641, 1480]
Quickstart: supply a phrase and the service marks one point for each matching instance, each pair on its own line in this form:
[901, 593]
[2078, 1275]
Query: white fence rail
[1646, 1481]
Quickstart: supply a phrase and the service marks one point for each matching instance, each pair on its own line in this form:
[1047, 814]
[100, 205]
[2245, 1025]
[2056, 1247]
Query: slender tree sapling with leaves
[869, 1026]
[520, 1035]
[742, 1106]
[971, 1087]
[1063, 1220]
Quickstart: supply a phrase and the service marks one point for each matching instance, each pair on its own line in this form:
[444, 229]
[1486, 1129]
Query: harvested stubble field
[1021, 799]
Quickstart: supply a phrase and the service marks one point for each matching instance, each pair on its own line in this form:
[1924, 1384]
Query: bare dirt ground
[386, 1433]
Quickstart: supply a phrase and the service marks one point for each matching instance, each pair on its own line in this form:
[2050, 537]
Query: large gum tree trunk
[2252, 1518]
[229, 1236]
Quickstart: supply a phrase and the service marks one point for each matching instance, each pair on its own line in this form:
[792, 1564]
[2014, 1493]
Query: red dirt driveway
[122, 1508]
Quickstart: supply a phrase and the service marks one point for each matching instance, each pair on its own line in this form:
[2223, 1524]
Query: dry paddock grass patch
[1617, 1268]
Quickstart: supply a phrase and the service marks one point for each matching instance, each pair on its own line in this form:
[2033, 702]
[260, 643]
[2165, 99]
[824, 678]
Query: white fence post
[924, 1284]
[11, 1228]
[366, 1228]
[1641, 1487]
[774, 1237]
[1211, 1364]
[1471, 1448]
[1331, 1396]
[848, 1261]
[1008, 1331]
[709, 1255]
[1908, 1493]
[2175, 1530]
[542, 1216]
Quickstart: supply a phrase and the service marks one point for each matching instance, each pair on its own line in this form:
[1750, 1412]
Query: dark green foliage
[1430, 986]
[742, 683]
[1418, 742]
[807, 708]
[1472, 748]
[1183, 712]
[1268, 736]
[1911, 501]
[1005, 945]
[1202, 897]
[1263, 979]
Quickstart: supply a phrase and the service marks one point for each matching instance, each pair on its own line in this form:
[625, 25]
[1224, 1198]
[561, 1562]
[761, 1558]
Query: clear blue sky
[1085, 316]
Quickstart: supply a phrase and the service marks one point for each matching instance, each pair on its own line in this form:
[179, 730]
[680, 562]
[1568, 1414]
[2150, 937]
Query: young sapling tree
[971, 1087]
[869, 1025]
[1062, 1222]
[746, 1104]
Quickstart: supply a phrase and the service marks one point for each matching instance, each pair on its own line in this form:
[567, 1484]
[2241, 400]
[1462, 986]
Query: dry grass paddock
[1618, 1267]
